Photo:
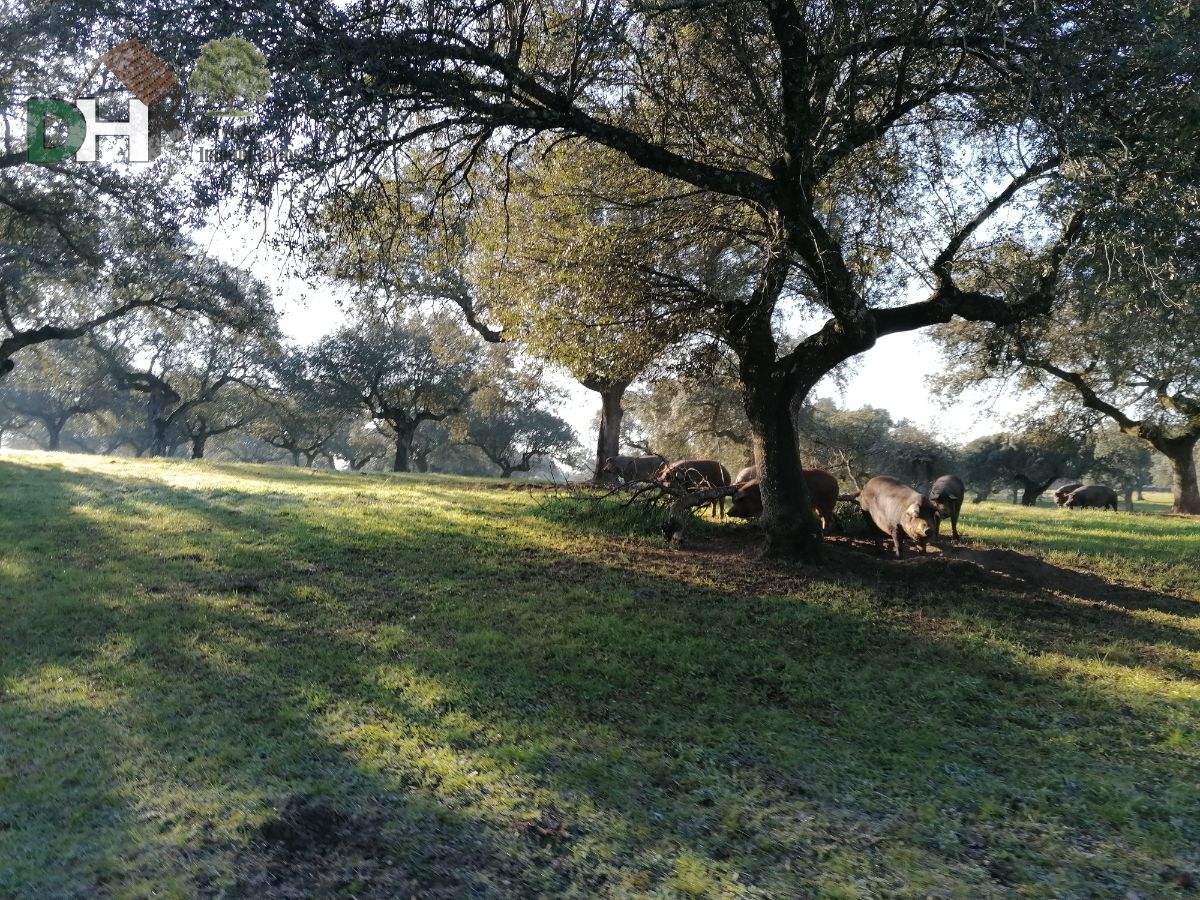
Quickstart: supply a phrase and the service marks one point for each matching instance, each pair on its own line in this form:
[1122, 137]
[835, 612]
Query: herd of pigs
[896, 510]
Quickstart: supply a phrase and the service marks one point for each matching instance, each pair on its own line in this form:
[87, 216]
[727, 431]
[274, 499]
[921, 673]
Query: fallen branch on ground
[681, 510]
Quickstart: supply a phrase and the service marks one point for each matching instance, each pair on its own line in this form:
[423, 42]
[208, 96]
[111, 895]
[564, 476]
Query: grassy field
[228, 681]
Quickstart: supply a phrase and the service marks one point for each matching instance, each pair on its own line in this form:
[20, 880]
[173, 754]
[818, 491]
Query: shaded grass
[204, 666]
[1145, 549]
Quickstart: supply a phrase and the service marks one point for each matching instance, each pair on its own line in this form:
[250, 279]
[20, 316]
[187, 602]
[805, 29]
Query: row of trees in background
[403, 391]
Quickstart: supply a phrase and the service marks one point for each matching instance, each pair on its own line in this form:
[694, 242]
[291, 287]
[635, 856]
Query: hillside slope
[241, 681]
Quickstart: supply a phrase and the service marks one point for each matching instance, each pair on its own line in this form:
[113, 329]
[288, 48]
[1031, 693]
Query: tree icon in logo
[230, 77]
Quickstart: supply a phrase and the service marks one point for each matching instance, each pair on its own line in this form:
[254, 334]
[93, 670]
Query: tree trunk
[1033, 491]
[608, 440]
[404, 439]
[296, 458]
[198, 442]
[160, 447]
[1128, 499]
[1187, 492]
[53, 434]
[420, 460]
[789, 524]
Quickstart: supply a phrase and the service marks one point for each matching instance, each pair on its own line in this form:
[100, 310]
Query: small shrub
[853, 519]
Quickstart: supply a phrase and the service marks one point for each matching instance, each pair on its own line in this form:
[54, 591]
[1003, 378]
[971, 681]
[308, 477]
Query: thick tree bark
[160, 446]
[404, 439]
[1187, 490]
[608, 440]
[1128, 499]
[198, 442]
[295, 458]
[1033, 490]
[53, 433]
[790, 526]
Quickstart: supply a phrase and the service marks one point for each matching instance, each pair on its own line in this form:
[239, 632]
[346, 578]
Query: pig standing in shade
[750, 473]
[633, 468]
[822, 490]
[897, 511]
[947, 495]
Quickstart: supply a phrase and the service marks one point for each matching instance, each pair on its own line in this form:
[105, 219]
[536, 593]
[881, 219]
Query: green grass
[1146, 549]
[219, 680]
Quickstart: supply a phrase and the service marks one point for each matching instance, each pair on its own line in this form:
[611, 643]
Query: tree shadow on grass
[634, 726]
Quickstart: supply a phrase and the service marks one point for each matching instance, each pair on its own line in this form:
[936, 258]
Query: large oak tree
[873, 146]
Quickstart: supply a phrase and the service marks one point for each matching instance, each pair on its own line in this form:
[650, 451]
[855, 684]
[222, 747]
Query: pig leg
[898, 537]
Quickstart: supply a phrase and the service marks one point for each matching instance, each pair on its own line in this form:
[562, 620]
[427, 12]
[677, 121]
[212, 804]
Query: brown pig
[1097, 495]
[947, 495]
[695, 475]
[898, 512]
[822, 490]
[750, 473]
[1061, 495]
[633, 468]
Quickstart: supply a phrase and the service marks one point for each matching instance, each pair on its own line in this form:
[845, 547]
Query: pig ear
[914, 510]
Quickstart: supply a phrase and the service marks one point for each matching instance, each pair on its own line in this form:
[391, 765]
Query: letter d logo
[35, 130]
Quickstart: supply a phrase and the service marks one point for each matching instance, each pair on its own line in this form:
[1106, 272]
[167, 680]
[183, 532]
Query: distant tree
[54, 384]
[359, 442]
[695, 413]
[400, 370]
[300, 415]
[914, 455]
[231, 409]
[584, 268]
[181, 363]
[1029, 462]
[1121, 461]
[121, 425]
[508, 420]
[246, 447]
[847, 442]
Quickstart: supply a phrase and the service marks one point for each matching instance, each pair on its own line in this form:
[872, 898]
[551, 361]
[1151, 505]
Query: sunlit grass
[509, 705]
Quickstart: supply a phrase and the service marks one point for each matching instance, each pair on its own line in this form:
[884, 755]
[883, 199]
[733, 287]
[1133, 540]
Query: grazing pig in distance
[1093, 495]
[822, 490]
[750, 473]
[694, 475]
[1061, 495]
[897, 511]
[947, 495]
[633, 468]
